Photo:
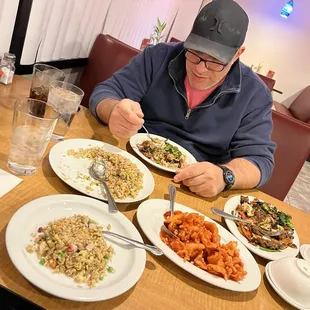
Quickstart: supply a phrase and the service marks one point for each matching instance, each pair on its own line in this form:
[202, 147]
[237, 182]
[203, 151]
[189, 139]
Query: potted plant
[156, 36]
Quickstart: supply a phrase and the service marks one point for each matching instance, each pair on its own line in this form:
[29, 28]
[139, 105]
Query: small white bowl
[291, 279]
[305, 252]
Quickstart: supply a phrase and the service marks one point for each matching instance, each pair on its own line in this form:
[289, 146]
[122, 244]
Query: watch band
[229, 177]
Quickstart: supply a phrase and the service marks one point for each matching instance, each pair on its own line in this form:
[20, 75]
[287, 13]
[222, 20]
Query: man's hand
[126, 119]
[204, 179]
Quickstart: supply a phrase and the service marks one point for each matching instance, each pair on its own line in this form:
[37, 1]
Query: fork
[147, 133]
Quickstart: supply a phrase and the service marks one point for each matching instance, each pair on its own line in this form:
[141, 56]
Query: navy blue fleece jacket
[233, 122]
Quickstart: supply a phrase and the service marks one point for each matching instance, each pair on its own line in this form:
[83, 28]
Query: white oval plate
[67, 168]
[305, 252]
[140, 137]
[232, 204]
[279, 291]
[127, 261]
[150, 215]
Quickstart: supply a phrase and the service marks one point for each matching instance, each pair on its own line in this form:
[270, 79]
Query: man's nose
[201, 67]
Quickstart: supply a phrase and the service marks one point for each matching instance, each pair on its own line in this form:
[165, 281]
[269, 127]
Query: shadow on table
[19, 285]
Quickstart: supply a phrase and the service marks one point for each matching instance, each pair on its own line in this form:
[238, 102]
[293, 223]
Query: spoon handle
[111, 202]
[228, 216]
[172, 192]
[151, 248]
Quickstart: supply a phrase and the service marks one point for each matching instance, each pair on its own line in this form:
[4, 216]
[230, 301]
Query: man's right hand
[126, 119]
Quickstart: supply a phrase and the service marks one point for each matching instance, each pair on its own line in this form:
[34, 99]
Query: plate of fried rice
[56, 243]
[129, 180]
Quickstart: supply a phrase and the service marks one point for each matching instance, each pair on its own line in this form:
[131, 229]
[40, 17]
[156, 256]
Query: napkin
[7, 182]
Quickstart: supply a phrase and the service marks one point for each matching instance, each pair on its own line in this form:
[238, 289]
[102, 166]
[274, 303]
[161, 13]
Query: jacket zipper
[188, 113]
[188, 109]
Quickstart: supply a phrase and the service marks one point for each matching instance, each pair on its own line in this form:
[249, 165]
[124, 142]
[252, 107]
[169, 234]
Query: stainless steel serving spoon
[151, 248]
[234, 218]
[172, 192]
[98, 171]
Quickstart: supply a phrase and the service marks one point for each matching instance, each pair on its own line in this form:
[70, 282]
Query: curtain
[63, 29]
[8, 10]
[66, 29]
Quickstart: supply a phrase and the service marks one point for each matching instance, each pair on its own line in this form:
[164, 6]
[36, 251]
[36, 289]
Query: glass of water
[65, 98]
[30, 136]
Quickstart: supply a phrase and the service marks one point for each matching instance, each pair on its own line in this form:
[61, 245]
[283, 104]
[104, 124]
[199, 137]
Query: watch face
[230, 178]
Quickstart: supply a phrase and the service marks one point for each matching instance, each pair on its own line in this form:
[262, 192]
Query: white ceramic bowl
[305, 252]
[291, 276]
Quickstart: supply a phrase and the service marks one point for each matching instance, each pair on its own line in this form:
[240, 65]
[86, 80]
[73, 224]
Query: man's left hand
[204, 179]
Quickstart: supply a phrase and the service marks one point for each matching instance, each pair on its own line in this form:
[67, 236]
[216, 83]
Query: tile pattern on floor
[299, 194]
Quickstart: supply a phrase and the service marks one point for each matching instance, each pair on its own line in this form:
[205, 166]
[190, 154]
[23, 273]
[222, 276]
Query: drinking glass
[43, 75]
[65, 98]
[31, 133]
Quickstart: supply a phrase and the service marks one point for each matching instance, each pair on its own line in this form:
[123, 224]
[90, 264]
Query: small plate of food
[202, 247]
[56, 243]
[160, 152]
[128, 179]
[270, 221]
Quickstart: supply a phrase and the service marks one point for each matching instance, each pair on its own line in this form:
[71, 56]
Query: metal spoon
[172, 192]
[151, 248]
[97, 171]
[234, 218]
[170, 233]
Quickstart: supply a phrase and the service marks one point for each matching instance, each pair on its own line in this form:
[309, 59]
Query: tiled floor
[299, 195]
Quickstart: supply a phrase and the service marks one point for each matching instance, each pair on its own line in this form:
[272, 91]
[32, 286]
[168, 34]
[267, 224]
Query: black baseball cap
[219, 30]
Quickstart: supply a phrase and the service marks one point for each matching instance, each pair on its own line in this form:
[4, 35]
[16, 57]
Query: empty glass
[65, 98]
[31, 133]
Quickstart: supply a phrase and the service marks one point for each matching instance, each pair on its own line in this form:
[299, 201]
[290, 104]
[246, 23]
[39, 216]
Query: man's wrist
[228, 177]
[104, 109]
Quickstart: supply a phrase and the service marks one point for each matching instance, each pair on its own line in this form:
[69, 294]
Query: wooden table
[163, 285]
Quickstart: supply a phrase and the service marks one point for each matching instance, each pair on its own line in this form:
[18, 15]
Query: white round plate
[150, 215]
[279, 291]
[127, 261]
[140, 137]
[231, 205]
[67, 168]
[305, 252]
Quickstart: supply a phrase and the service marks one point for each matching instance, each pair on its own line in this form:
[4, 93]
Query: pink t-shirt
[196, 97]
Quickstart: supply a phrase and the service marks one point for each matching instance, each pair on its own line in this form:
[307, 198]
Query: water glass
[65, 98]
[30, 136]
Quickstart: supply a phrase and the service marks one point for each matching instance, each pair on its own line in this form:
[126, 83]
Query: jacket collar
[177, 71]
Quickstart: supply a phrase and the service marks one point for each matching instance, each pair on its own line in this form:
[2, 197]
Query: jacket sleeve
[252, 141]
[131, 82]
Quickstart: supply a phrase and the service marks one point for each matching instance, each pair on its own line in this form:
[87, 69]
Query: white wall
[282, 44]
[185, 19]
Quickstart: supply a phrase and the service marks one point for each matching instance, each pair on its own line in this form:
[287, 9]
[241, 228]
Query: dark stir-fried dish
[267, 220]
[163, 153]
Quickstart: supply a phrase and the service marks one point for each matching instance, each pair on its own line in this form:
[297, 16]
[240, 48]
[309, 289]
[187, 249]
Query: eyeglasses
[209, 64]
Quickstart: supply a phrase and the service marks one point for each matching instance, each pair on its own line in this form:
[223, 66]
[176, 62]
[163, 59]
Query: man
[201, 96]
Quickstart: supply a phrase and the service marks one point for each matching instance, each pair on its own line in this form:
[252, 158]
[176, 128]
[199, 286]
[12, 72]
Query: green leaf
[268, 250]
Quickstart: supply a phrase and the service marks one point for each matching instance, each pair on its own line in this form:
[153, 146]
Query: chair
[173, 39]
[293, 147]
[107, 56]
[299, 109]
